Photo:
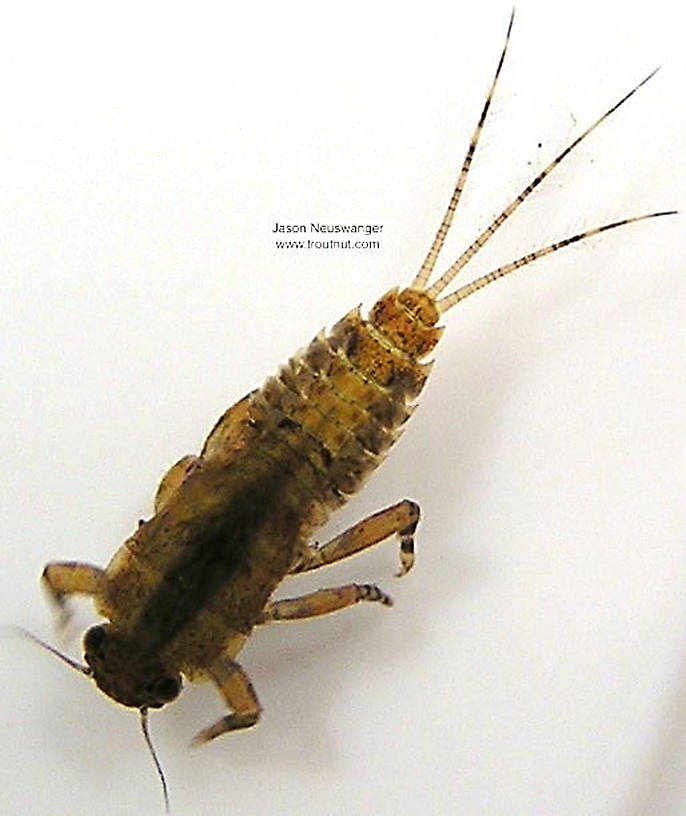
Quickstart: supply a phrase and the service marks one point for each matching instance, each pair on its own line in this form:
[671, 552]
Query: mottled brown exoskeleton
[185, 591]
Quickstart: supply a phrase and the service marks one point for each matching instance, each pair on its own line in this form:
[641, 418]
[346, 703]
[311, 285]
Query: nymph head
[125, 675]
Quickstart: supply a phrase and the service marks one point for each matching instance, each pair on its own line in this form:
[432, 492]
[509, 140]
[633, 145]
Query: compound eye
[94, 639]
[167, 689]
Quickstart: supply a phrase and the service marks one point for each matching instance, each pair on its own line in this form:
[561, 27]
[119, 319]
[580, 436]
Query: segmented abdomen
[341, 402]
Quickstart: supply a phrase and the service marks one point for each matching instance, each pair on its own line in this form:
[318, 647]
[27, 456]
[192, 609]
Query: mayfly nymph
[184, 592]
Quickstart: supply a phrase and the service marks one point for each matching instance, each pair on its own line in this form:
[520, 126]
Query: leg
[401, 518]
[322, 602]
[235, 687]
[62, 578]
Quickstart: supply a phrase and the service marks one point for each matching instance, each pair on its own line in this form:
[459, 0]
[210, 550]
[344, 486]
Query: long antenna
[158, 766]
[422, 277]
[87, 671]
[64, 658]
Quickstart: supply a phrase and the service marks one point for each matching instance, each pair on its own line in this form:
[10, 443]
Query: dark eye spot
[94, 639]
[167, 688]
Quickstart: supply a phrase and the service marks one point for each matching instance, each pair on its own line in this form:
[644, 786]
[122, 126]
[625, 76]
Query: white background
[535, 660]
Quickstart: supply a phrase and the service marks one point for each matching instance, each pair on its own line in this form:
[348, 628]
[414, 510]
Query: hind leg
[400, 519]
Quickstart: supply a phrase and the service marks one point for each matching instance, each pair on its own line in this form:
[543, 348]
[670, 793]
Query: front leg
[400, 519]
[62, 578]
[235, 687]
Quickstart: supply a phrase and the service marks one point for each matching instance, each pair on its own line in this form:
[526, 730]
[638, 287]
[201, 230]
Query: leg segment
[401, 518]
[322, 602]
[62, 578]
[235, 687]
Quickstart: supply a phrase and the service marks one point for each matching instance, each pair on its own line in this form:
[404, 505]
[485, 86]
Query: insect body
[185, 591]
